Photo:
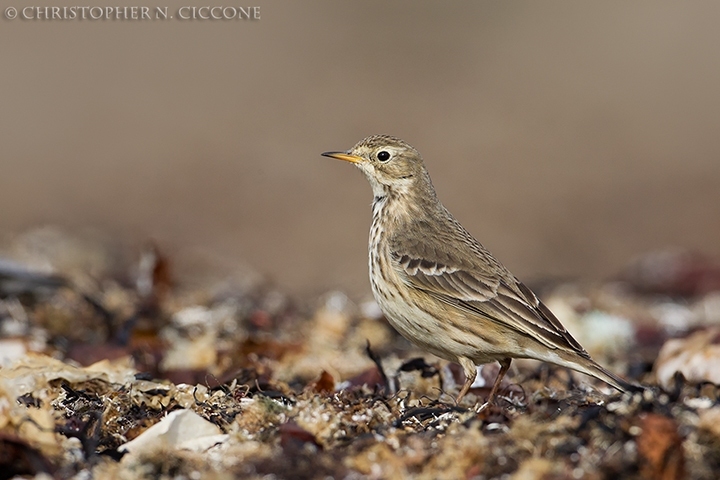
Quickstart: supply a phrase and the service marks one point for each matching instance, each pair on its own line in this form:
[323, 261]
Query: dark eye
[383, 156]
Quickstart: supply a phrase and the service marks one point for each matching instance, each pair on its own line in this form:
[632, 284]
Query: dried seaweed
[284, 389]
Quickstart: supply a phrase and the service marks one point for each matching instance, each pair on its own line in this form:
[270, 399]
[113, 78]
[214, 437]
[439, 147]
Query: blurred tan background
[567, 136]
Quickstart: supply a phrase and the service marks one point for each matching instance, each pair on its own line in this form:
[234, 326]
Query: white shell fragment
[697, 357]
[181, 429]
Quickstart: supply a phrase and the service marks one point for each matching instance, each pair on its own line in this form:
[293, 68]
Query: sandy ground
[567, 137]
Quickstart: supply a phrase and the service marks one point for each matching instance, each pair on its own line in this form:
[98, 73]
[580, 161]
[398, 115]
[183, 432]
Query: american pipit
[440, 288]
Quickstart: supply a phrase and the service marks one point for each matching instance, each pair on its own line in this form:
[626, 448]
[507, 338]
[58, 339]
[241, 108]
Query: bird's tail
[590, 367]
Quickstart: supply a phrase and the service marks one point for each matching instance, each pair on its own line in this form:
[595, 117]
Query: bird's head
[390, 164]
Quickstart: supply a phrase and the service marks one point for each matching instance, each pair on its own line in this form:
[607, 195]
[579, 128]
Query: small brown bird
[440, 288]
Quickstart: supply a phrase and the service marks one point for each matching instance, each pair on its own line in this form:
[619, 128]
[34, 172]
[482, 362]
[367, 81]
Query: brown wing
[479, 285]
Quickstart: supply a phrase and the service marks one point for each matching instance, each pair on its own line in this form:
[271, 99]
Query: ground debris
[122, 370]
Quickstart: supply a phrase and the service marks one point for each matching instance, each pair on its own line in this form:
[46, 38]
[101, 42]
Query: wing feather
[479, 285]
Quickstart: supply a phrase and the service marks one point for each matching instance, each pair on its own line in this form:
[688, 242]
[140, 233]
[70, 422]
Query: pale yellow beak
[343, 156]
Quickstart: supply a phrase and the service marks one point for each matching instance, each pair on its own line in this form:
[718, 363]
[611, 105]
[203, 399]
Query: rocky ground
[114, 364]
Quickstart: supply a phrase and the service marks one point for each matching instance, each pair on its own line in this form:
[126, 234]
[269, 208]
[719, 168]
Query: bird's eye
[383, 156]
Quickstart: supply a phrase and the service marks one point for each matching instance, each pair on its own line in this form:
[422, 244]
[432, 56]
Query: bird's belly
[428, 327]
[433, 332]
